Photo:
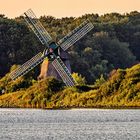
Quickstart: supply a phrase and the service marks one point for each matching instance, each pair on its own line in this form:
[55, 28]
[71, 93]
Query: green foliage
[54, 85]
[122, 89]
[99, 81]
[37, 95]
[21, 83]
[112, 44]
[18, 84]
[79, 79]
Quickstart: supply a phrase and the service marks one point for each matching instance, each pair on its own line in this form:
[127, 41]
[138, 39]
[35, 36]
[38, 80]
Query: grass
[121, 90]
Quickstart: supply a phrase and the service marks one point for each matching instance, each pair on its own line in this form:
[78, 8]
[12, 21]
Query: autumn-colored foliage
[122, 89]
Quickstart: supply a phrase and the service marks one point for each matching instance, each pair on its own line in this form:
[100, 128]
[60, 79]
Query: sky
[67, 8]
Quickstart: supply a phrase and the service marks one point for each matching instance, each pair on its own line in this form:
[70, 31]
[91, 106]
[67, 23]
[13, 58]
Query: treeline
[113, 43]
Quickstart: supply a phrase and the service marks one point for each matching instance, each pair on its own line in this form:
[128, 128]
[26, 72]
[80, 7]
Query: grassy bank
[121, 90]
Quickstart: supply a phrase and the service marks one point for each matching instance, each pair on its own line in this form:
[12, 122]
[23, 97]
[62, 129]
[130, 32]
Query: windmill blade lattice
[52, 51]
[75, 35]
[27, 66]
[37, 27]
[63, 72]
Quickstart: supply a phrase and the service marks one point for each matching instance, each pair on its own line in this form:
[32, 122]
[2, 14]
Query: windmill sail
[63, 72]
[46, 40]
[75, 35]
[26, 67]
[37, 27]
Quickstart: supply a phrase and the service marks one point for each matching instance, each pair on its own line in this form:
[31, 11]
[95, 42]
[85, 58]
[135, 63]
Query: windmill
[52, 48]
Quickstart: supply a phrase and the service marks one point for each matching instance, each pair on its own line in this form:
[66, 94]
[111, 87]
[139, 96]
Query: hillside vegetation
[122, 89]
[105, 63]
[113, 43]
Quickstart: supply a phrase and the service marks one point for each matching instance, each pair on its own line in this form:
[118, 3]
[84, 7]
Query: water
[82, 124]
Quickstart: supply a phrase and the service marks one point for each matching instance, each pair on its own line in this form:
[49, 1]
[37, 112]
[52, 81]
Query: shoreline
[75, 108]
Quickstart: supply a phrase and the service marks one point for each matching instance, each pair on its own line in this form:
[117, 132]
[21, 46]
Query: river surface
[76, 124]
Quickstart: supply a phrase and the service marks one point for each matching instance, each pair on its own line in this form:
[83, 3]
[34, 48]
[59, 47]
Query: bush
[79, 79]
[99, 81]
